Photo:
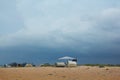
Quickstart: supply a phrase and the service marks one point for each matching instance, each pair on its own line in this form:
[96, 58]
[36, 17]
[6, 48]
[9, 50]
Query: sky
[41, 31]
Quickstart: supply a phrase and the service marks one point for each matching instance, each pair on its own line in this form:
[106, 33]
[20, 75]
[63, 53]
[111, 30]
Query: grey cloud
[58, 29]
[89, 35]
[110, 19]
[10, 20]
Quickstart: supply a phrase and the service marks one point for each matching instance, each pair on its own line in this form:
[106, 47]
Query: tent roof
[66, 57]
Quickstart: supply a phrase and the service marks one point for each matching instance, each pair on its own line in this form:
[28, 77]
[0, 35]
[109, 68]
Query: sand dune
[52, 73]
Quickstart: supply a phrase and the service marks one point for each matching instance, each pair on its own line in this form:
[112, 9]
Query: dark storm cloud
[55, 28]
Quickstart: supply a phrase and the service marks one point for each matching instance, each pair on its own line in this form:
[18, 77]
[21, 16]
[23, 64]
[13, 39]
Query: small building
[71, 64]
[28, 65]
[60, 64]
[7, 66]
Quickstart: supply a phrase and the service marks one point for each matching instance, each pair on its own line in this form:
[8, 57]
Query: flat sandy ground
[53, 73]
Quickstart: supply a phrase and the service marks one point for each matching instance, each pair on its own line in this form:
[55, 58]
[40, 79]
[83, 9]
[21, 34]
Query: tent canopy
[66, 58]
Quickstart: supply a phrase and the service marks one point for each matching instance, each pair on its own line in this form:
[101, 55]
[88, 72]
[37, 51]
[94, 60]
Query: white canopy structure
[66, 58]
[71, 62]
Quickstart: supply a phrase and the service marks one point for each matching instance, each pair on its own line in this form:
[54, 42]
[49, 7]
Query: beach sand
[53, 73]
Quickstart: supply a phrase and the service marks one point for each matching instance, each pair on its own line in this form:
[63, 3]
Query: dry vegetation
[53, 73]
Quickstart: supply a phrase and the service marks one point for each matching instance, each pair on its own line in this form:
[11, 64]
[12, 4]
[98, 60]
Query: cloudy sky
[41, 31]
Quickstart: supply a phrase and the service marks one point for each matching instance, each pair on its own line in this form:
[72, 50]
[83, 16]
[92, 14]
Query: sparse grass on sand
[54, 73]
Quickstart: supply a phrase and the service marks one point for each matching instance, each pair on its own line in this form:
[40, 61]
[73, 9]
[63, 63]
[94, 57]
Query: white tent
[70, 62]
[66, 58]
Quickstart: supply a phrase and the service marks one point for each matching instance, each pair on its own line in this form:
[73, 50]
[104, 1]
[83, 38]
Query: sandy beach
[53, 73]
